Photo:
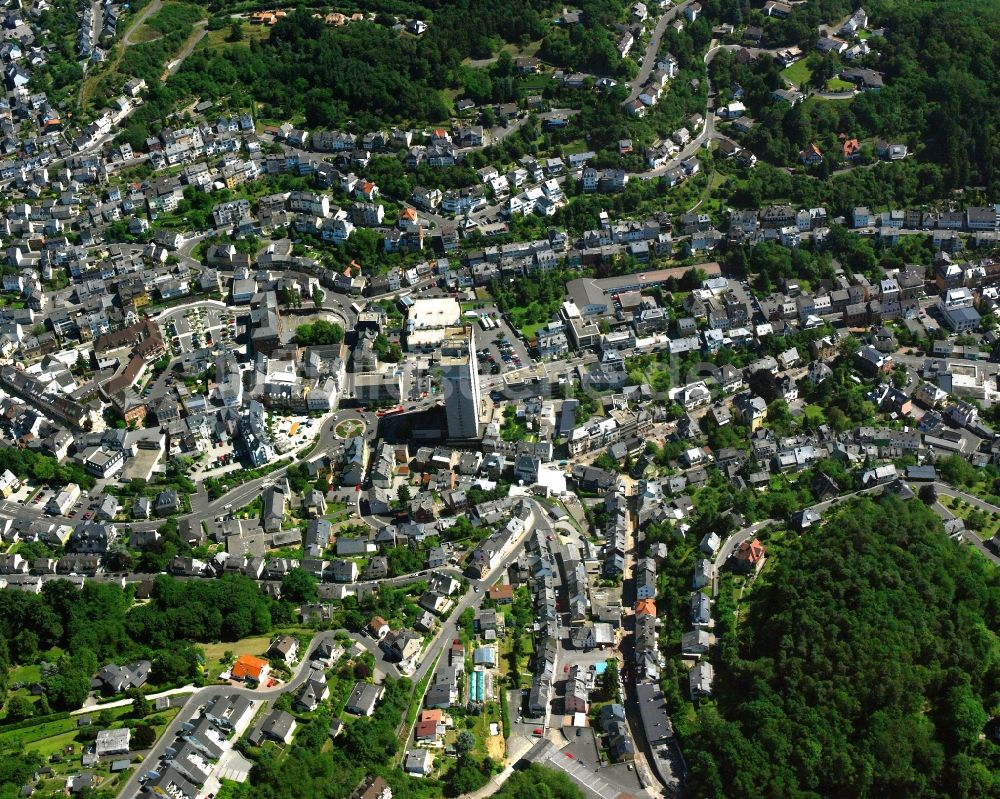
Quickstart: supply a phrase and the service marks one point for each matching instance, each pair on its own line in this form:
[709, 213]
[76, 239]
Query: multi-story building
[460, 376]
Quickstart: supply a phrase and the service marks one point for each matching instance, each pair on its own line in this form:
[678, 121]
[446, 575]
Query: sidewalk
[96, 708]
[513, 756]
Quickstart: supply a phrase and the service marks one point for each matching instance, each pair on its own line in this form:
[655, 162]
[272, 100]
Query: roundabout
[349, 428]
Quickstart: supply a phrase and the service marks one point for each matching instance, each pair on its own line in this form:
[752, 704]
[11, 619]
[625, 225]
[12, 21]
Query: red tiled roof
[645, 607]
[248, 666]
[751, 551]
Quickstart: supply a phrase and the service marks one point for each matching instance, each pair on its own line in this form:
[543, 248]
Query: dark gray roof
[656, 724]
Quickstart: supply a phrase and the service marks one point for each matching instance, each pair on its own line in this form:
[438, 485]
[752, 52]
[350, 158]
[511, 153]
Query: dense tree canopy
[99, 624]
[866, 665]
[538, 782]
[330, 75]
[939, 64]
[319, 332]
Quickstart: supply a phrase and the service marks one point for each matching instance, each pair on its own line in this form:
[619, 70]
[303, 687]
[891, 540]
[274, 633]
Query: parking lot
[190, 329]
[81, 509]
[584, 774]
[499, 350]
[220, 457]
[418, 381]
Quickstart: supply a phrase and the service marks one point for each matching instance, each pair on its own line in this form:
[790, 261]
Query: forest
[938, 60]
[328, 74]
[83, 629]
[865, 663]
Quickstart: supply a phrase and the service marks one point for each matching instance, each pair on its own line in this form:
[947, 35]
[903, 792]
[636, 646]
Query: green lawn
[990, 526]
[256, 646]
[838, 85]
[814, 413]
[48, 737]
[798, 73]
[22, 738]
[530, 330]
[26, 674]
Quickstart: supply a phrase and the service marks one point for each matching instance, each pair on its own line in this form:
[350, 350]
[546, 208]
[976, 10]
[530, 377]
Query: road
[969, 536]
[196, 36]
[473, 597]
[707, 132]
[145, 14]
[430, 655]
[652, 50]
[198, 699]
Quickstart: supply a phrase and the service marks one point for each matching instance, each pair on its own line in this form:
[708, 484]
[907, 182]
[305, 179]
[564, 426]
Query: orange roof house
[431, 715]
[267, 17]
[378, 627]
[645, 607]
[851, 148]
[749, 557]
[248, 667]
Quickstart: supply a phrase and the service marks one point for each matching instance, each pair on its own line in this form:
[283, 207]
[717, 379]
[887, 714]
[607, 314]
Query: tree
[849, 345]
[963, 714]
[465, 742]
[922, 720]
[928, 494]
[141, 706]
[319, 332]
[299, 586]
[143, 737]
[235, 32]
[538, 782]
[466, 776]
[19, 707]
[403, 494]
[25, 648]
[611, 687]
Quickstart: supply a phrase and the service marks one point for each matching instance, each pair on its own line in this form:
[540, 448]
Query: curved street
[429, 657]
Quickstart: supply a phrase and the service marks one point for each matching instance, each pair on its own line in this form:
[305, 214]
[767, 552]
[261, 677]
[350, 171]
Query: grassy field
[530, 330]
[256, 645]
[815, 98]
[990, 526]
[26, 736]
[66, 744]
[49, 737]
[217, 40]
[798, 73]
[144, 34]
